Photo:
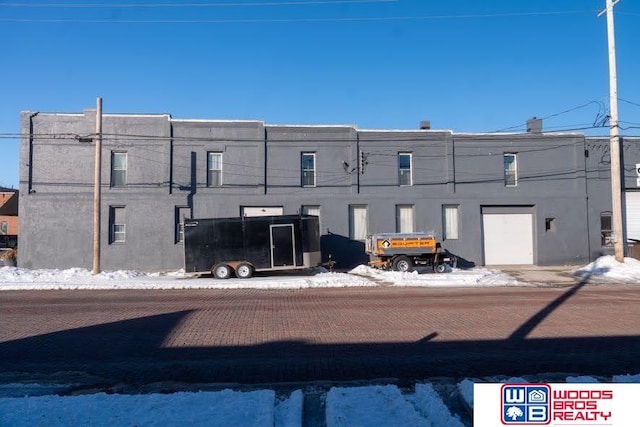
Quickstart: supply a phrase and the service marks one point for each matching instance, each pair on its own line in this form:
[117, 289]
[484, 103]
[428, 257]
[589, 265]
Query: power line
[629, 102]
[288, 20]
[184, 5]
[597, 102]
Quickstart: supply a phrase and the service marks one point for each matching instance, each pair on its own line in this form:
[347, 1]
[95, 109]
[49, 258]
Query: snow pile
[453, 277]
[607, 269]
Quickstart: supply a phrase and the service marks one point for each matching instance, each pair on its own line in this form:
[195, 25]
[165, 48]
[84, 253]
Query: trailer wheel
[403, 263]
[221, 271]
[244, 270]
[441, 268]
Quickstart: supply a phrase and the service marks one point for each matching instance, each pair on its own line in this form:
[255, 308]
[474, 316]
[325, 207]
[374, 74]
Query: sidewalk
[551, 275]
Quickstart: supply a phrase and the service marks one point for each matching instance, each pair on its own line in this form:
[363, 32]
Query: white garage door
[632, 200]
[508, 238]
[262, 210]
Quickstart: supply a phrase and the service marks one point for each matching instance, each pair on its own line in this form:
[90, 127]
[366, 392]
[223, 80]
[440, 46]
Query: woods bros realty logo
[562, 404]
[540, 404]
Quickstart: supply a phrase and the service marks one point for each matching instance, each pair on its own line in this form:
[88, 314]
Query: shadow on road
[134, 351]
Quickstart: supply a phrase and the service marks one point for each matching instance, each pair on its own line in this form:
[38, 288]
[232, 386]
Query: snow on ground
[373, 405]
[605, 269]
[33, 404]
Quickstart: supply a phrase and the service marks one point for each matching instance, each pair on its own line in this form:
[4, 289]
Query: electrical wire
[186, 5]
[289, 20]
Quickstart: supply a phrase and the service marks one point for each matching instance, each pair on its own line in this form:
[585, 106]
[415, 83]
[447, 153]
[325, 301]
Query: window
[510, 170]
[404, 219]
[308, 169]
[357, 222]
[182, 212]
[118, 169]
[404, 169]
[606, 229]
[261, 210]
[214, 169]
[117, 231]
[450, 217]
[4, 227]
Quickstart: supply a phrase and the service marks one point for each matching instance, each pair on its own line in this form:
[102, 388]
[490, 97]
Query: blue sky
[465, 65]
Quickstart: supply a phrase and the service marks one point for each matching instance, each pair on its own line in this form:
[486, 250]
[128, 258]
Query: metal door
[282, 246]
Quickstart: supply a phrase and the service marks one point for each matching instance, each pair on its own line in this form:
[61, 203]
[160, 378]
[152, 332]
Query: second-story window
[510, 170]
[308, 169]
[214, 169]
[118, 169]
[404, 169]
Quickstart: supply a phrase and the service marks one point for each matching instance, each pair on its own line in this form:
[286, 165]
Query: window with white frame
[358, 219]
[118, 169]
[405, 177]
[451, 220]
[117, 225]
[308, 161]
[404, 219]
[510, 170]
[214, 169]
[182, 212]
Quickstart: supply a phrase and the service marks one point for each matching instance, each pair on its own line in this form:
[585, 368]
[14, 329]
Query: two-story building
[492, 198]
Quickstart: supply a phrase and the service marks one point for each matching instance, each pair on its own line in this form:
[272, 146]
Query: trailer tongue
[404, 251]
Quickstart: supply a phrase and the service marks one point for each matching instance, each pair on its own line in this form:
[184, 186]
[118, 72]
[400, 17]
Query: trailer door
[282, 245]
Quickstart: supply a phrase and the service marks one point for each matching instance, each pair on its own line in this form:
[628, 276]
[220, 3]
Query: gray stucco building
[492, 198]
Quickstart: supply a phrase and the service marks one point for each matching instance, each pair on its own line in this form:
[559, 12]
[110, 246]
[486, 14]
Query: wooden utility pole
[97, 189]
[614, 143]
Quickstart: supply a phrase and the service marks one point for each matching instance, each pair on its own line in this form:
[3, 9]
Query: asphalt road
[344, 334]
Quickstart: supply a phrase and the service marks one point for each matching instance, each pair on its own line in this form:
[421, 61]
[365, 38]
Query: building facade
[8, 218]
[531, 198]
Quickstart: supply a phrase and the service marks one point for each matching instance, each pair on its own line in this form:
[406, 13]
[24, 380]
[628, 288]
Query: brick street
[333, 334]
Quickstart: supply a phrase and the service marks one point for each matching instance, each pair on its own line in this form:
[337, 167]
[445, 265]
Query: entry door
[282, 246]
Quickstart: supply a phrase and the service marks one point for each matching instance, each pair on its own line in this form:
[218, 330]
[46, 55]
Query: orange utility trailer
[404, 251]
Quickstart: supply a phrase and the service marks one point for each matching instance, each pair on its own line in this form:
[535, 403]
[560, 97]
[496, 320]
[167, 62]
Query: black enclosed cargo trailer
[242, 245]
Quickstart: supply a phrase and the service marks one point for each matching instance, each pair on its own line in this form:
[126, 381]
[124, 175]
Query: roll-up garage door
[508, 237]
[632, 200]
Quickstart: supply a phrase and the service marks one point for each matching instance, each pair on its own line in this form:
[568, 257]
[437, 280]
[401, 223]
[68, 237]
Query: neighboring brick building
[8, 217]
[492, 198]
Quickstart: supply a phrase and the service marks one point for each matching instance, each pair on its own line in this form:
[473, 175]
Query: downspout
[265, 161]
[586, 194]
[358, 166]
[170, 157]
[31, 138]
